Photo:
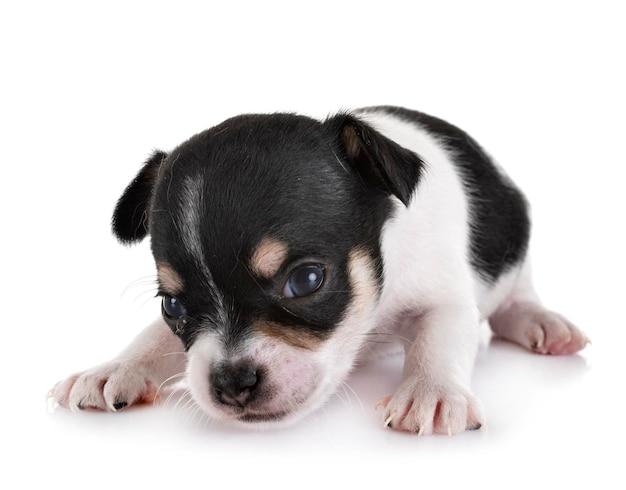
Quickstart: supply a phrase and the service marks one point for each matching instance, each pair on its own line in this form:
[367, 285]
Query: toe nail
[382, 402]
[388, 422]
[120, 405]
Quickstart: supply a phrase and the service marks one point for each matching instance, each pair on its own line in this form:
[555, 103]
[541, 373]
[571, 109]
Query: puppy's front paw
[111, 386]
[429, 409]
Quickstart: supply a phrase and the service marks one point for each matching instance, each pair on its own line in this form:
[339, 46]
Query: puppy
[287, 248]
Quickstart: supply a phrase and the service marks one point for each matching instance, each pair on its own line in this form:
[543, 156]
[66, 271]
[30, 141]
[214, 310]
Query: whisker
[185, 396]
[169, 398]
[346, 386]
[178, 375]
[390, 335]
[150, 298]
[196, 413]
[191, 411]
[209, 422]
[142, 281]
[340, 162]
[347, 401]
[188, 405]
[176, 353]
[149, 284]
[374, 341]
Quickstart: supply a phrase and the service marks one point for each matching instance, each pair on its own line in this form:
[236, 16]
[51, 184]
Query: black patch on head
[281, 176]
[500, 225]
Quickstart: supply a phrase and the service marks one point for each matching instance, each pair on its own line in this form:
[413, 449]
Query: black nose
[234, 384]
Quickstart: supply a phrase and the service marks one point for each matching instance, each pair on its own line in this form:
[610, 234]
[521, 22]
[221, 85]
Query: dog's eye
[173, 308]
[304, 281]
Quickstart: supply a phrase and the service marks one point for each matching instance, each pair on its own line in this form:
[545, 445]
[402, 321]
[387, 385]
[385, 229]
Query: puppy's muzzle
[235, 384]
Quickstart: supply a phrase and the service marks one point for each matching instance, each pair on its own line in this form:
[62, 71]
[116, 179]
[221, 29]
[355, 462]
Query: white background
[87, 92]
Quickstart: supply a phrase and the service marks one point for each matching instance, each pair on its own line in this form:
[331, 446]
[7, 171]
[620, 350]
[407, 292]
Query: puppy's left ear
[379, 161]
[130, 218]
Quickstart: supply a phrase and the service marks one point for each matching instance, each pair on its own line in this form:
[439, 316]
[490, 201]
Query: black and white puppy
[287, 247]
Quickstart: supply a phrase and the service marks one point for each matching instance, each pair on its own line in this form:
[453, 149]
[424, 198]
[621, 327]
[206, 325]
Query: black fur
[130, 218]
[379, 161]
[322, 188]
[289, 177]
[500, 223]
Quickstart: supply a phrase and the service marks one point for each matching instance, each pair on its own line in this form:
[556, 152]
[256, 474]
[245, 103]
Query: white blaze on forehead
[190, 216]
[190, 213]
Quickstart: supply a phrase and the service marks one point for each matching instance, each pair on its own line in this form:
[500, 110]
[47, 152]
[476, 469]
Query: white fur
[432, 300]
[430, 289]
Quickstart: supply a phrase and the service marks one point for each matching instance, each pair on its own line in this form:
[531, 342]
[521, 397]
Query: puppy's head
[265, 231]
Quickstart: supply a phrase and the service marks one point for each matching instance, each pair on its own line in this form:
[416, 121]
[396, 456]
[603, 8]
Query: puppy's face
[265, 231]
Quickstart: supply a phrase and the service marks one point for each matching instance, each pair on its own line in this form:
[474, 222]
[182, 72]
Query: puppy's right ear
[130, 218]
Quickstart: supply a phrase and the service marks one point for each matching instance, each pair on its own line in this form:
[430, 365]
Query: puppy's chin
[261, 421]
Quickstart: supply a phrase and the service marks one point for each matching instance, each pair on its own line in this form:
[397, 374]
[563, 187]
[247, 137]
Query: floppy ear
[379, 161]
[130, 218]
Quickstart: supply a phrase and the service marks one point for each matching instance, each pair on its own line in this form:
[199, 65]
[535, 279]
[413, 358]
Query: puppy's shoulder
[498, 212]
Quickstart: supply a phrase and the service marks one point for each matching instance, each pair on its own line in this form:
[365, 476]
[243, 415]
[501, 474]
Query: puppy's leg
[434, 396]
[155, 356]
[522, 319]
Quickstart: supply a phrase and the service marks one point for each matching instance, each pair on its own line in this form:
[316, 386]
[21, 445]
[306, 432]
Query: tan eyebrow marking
[169, 279]
[268, 257]
[298, 337]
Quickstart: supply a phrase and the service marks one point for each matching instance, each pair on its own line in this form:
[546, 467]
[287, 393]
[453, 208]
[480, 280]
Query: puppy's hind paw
[538, 329]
